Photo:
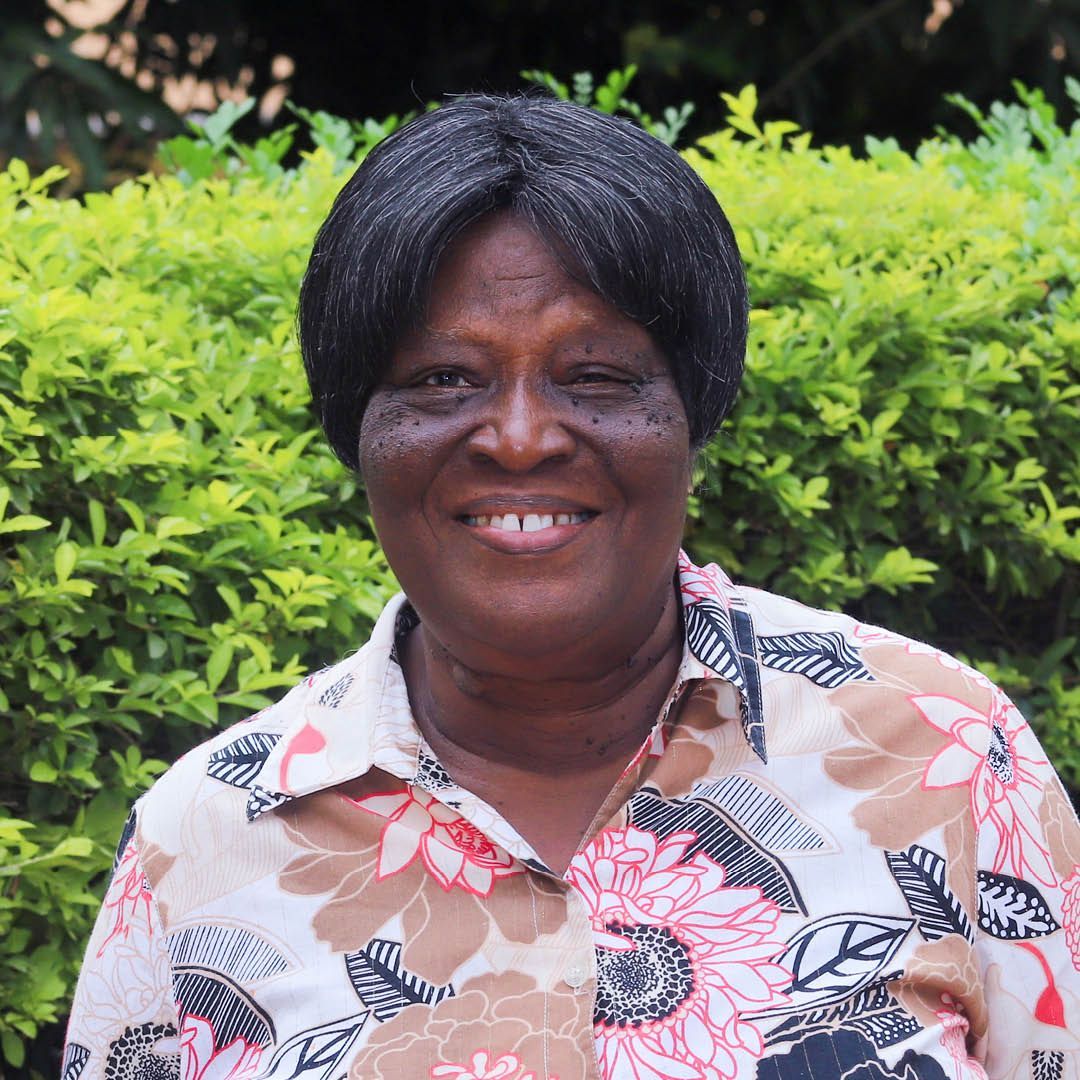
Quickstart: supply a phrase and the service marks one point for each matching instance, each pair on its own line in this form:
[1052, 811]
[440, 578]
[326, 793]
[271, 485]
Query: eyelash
[461, 381]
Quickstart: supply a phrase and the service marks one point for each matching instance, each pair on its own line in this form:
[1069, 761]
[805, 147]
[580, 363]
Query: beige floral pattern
[837, 852]
[509, 1014]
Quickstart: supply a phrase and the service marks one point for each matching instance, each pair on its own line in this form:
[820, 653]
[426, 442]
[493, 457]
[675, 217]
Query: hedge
[178, 545]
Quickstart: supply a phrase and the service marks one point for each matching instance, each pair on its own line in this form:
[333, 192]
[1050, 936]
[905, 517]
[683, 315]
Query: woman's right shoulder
[217, 779]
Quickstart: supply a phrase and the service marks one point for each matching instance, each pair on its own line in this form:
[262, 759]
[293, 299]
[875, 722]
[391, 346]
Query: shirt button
[575, 976]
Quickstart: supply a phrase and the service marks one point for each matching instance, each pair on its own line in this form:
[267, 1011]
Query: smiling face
[526, 458]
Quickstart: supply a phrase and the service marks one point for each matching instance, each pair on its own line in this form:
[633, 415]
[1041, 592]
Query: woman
[578, 808]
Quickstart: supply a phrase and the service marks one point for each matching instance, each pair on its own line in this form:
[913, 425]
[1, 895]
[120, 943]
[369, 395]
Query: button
[575, 976]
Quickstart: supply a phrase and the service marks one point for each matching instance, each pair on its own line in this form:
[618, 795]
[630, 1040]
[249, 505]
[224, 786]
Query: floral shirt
[839, 853]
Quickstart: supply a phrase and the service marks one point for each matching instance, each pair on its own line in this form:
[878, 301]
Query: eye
[602, 377]
[449, 380]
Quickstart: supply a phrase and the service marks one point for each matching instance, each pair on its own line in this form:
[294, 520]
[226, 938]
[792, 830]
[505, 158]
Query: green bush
[178, 545]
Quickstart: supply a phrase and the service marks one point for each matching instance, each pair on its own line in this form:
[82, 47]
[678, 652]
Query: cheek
[649, 448]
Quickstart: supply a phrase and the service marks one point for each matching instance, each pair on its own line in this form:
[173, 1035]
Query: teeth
[524, 523]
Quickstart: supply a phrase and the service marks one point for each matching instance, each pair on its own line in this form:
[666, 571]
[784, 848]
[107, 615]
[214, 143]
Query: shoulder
[785, 626]
[214, 781]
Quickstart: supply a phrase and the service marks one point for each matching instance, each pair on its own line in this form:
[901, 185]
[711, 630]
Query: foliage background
[178, 545]
[83, 81]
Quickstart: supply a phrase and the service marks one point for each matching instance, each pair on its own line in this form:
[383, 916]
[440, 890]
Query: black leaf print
[762, 813]
[724, 640]
[332, 695]
[135, 1055]
[1013, 909]
[711, 638]
[384, 986]
[848, 1054]
[260, 800]
[753, 713]
[723, 839]
[315, 1053]
[920, 873]
[232, 950]
[239, 763]
[226, 1006]
[837, 956]
[873, 1012]
[1047, 1064]
[126, 834]
[75, 1058]
[824, 658]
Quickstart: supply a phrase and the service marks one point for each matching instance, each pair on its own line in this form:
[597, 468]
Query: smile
[527, 523]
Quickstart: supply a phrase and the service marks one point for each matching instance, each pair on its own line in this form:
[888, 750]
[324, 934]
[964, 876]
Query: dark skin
[543, 656]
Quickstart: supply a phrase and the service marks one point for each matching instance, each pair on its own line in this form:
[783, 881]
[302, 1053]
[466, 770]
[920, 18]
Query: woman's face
[526, 459]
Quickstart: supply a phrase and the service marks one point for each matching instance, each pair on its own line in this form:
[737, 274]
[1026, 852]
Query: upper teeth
[525, 523]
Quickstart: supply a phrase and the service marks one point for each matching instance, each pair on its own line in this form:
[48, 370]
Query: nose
[522, 429]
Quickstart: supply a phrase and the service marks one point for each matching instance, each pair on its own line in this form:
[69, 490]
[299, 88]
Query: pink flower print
[680, 957]
[1070, 917]
[1006, 779]
[482, 1067]
[703, 582]
[454, 851]
[954, 1030]
[128, 899]
[202, 1059]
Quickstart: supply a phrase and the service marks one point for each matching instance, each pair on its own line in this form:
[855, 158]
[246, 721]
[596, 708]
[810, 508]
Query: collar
[343, 721]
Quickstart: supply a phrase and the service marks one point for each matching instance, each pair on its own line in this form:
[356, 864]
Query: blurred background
[95, 84]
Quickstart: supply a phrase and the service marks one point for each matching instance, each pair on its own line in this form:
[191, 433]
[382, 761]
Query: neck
[503, 716]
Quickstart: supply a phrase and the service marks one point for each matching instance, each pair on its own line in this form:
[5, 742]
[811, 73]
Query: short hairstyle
[625, 213]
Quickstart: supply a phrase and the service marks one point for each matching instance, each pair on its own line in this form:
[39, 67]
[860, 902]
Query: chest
[730, 931]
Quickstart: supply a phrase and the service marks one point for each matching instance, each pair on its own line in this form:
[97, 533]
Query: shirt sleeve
[1028, 895]
[123, 1021]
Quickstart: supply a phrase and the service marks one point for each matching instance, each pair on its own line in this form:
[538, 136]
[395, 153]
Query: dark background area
[82, 81]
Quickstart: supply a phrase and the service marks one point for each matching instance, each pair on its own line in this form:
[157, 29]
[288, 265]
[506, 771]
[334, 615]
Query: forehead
[499, 276]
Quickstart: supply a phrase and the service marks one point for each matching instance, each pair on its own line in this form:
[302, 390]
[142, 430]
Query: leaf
[1047, 1064]
[75, 1058]
[239, 763]
[24, 523]
[710, 638]
[724, 840]
[241, 954]
[764, 816]
[231, 1010]
[384, 986]
[825, 658]
[218, 663]
[64, 559]
[316, 1052]
[839, 955]
[920, 873]
[724, 640]
[873, 1012]
[1012, 909]
[97, 522]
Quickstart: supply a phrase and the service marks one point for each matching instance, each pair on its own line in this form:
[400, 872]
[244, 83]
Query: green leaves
[177, 546]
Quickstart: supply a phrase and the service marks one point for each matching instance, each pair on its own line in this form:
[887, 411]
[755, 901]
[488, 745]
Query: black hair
[631, 218]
